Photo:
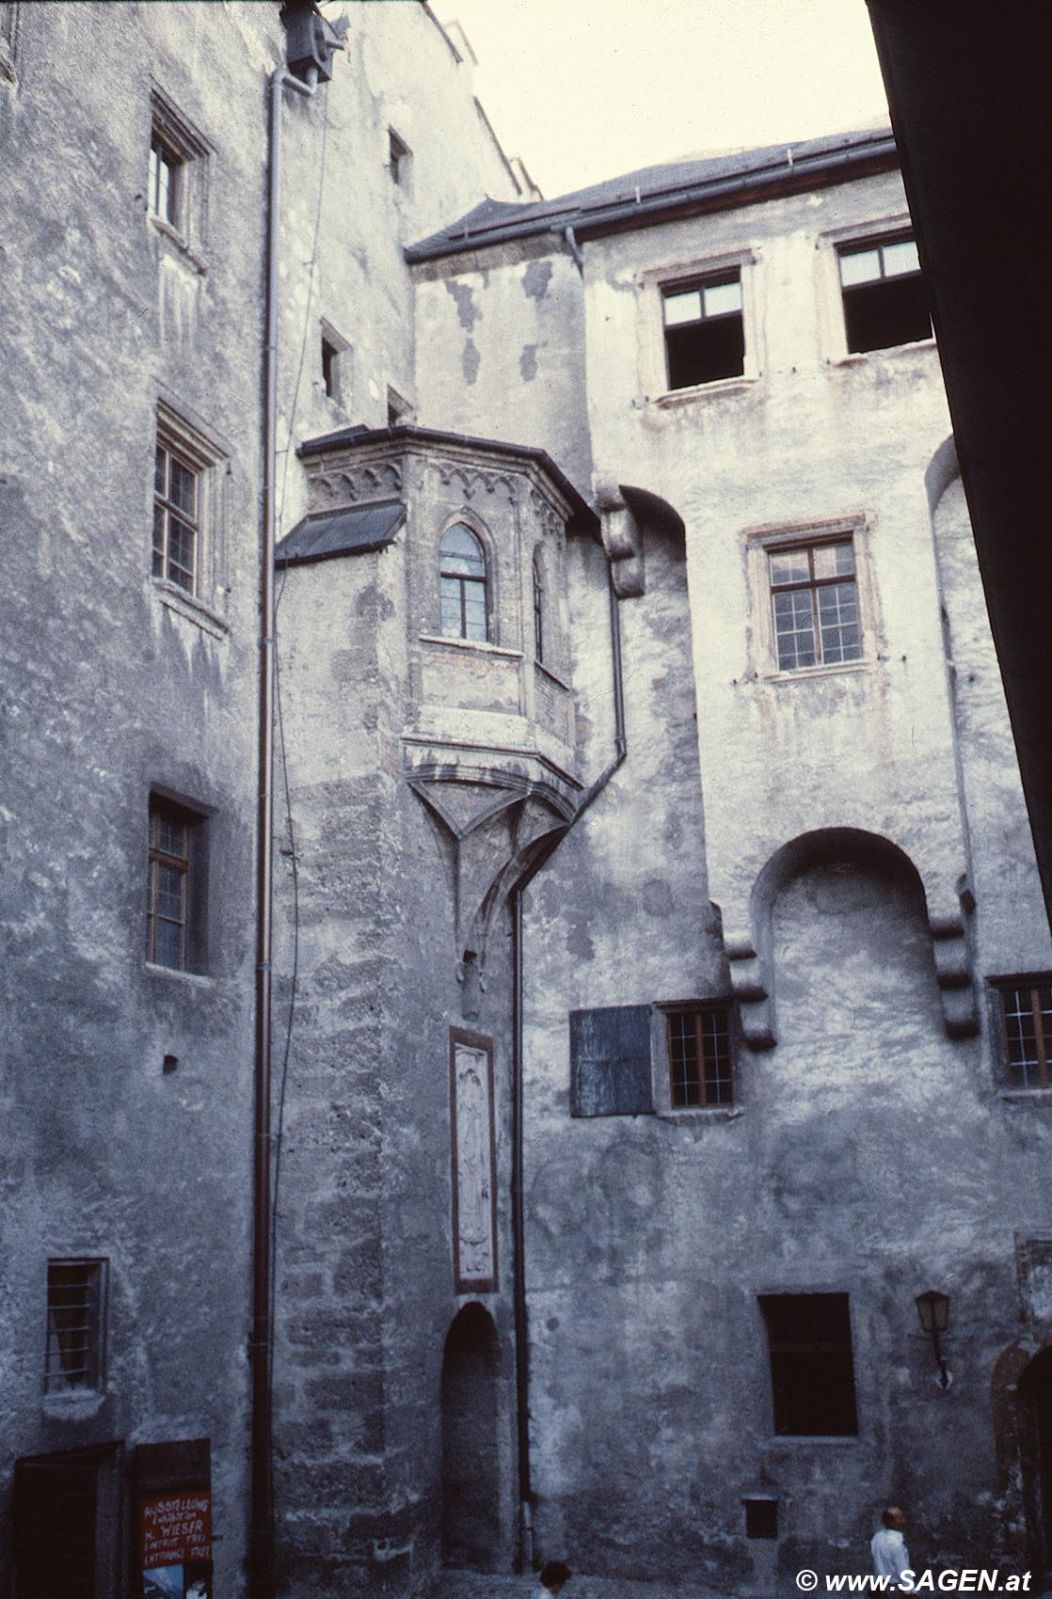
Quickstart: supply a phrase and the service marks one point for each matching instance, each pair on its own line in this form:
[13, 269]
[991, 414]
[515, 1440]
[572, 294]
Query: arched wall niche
[471, 1487]
[752, 956]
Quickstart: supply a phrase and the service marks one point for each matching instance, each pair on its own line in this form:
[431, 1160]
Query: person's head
[894, 1518]
[554, 1575]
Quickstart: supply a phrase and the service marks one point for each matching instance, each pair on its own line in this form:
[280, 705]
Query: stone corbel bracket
[748, 938]
[953, 968]
[622, 539]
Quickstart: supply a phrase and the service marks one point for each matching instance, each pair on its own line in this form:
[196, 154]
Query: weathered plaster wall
[500, 350]
[110, 690]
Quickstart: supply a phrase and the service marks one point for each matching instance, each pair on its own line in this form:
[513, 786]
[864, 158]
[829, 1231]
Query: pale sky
[587, 89]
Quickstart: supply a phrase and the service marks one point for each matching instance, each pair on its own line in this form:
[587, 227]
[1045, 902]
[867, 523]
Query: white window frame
[172, 432]
[759, 542]
[190, 150]
[828, 288]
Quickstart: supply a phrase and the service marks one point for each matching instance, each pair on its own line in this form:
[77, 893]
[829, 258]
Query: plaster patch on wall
[470, 361]
[528, 362]
[468, 312]
[536, 279]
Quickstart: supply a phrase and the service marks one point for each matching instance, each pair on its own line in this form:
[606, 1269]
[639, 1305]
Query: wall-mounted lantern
[933, 1309]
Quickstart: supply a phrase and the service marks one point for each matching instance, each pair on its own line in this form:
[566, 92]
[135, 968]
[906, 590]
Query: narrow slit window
[699, 1057]
[330, 370]
[164, 182]
[814, 598]
[885, 295]
[464, 587]
[704, 330]
[75, 1309]
[538, 609]
[399, 158]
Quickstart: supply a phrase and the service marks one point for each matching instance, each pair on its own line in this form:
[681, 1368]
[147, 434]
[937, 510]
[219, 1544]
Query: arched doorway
[1035, 1439]
[470, 1467]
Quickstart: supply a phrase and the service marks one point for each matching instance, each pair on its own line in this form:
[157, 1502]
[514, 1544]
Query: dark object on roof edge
[353, 530]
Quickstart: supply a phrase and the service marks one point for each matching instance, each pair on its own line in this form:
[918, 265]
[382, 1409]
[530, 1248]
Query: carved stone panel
[474, 1162]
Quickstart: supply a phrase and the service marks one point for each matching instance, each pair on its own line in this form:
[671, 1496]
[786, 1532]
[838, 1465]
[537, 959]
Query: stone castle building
[657, 998]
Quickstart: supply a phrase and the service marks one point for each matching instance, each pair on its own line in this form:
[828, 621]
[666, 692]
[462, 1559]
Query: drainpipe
[261, 1545]
[524, 1553]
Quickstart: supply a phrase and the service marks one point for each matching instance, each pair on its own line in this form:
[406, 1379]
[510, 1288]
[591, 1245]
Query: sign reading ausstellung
[175, 1536]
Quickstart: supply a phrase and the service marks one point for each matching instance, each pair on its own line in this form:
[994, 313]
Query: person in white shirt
[888, 1547]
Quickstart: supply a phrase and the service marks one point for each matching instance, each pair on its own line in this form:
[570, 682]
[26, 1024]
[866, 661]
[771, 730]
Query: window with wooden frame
[704, 329]
[812, 1364]
[700, 1057]
[884, 294]
[76, 1308]
[1026, 1017]
[176, 886]
[464, 585]
[176, 177]
[814, 602]
[176, 517]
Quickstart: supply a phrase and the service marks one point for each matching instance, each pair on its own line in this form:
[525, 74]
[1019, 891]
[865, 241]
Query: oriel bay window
[814, 598]
[464, 586]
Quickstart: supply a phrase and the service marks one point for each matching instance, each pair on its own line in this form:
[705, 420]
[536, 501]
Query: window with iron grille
[884, 293]
[176, 517]
[812, 1364]
[464, 585]
[1026, 1011]
[814, 598]
[76, 1304]
[701, 1067]
[704, 330]
[175, 898]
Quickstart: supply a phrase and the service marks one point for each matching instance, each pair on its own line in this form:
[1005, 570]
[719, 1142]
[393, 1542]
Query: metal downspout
[524, 1552]
[261, 1544]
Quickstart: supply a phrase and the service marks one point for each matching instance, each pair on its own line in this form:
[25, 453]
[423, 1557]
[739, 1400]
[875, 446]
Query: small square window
[176, 878]
[884, 293]
[704, 330]
[700, 1060]
[1026, 1019]
[814, 601]
[334, 357]
[399, 409]
[761, 1518]
[76, 1305]
[812, 1365]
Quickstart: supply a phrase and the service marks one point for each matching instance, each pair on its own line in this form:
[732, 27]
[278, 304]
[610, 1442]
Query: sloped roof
[352, 530]
[650, 194]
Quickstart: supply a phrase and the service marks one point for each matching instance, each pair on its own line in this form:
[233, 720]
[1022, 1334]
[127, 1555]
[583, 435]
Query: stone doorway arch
[471, 1495]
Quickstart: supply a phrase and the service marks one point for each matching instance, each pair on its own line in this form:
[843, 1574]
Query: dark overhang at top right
[968, 85]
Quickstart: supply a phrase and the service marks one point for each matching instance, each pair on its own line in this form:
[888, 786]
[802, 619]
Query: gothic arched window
[462, 574]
